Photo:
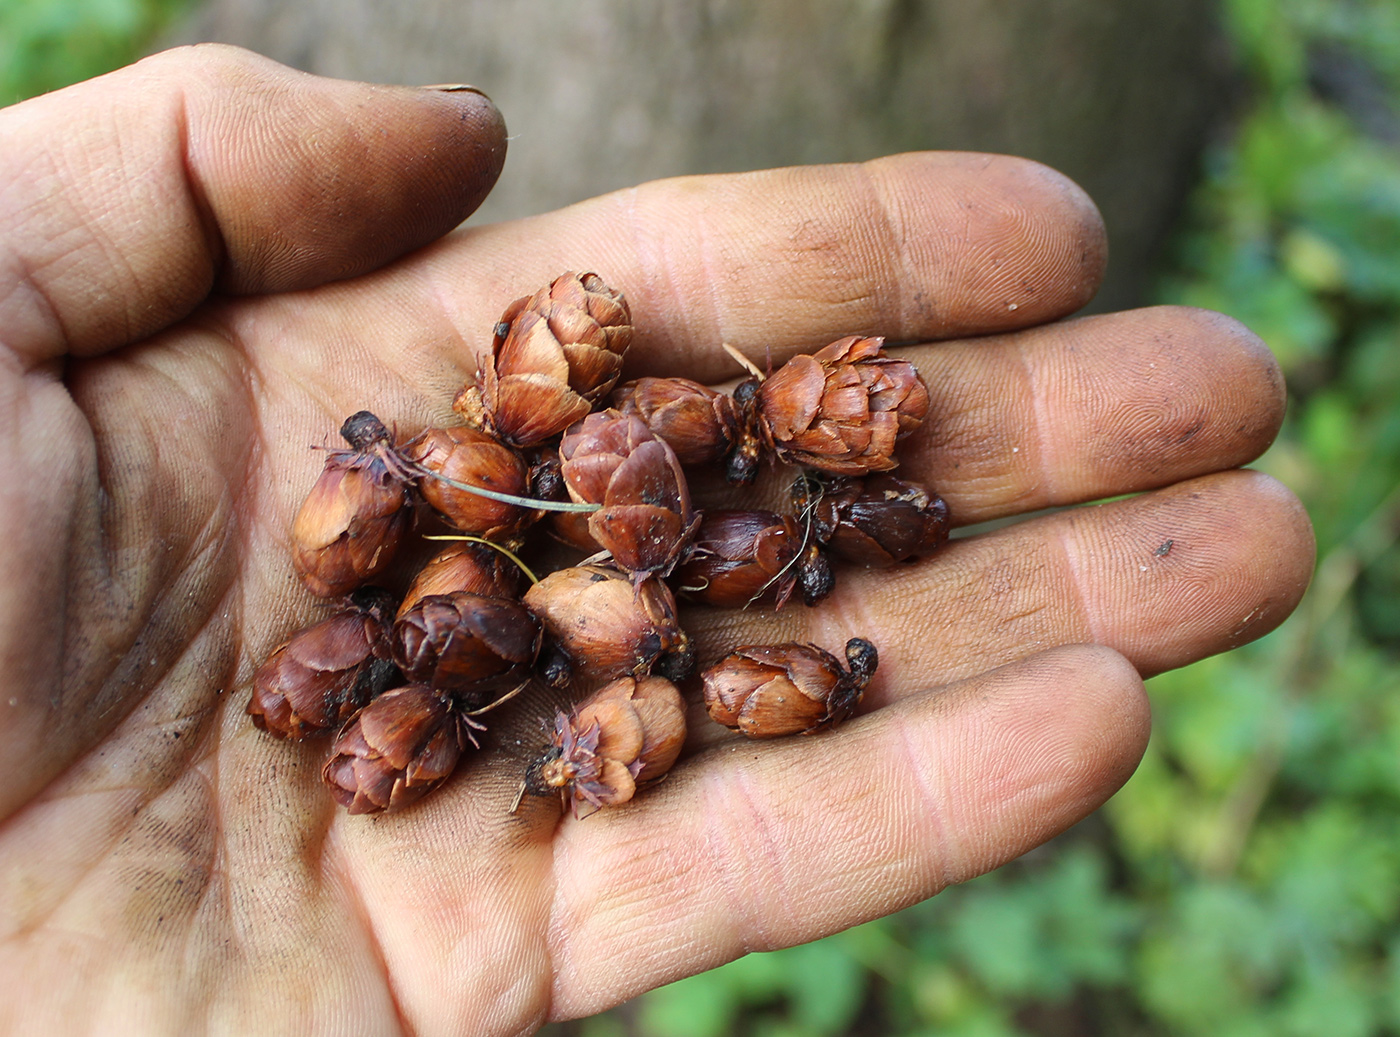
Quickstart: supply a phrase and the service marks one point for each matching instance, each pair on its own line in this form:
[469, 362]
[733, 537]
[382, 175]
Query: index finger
[918, 246]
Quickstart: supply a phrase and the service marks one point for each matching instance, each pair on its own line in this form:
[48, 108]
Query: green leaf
[701, 1006]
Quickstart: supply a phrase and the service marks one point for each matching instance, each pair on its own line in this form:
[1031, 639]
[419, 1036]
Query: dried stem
[403, 464]
[809, 506]
[500, 701]
[490, 543]
[743, 361]
[519, 796]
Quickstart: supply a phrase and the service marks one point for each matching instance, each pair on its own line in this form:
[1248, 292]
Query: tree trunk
[601, 94]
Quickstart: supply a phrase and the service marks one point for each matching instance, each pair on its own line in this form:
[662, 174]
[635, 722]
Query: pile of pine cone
[404, 684]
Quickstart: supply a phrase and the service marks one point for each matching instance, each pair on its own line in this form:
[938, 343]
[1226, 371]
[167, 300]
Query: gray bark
[601, 94]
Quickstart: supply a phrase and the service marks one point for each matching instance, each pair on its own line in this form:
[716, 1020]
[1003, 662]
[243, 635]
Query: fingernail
[458, 88]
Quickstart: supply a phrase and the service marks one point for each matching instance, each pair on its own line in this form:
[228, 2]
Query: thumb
[126, 199]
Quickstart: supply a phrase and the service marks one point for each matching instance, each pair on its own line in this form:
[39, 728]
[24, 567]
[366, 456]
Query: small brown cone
[465, 566]
[880, 521]
[765, 691]
[625, 735]
[841, 409]
[324, 673]
[467, 644]
[471, 456]
[351, 523]
[742, 558]
[701, 425]
[554, 355]
[614, 460]
[400, 747]
[607, 627]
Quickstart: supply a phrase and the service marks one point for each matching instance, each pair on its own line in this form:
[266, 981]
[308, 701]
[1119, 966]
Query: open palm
[208, 261]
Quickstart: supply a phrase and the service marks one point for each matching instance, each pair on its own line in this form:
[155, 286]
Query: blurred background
[1246, 155]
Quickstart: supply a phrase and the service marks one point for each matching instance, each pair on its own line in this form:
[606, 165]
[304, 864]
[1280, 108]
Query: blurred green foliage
[1246, 881]
[46, 44]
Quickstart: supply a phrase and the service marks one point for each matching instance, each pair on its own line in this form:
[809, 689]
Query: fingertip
[1103, 703]
[1283, 570]
[1255, 373]
[1025, 751]
[1032, 245]
[1197, 568]
[312, 180]
[1085, 251]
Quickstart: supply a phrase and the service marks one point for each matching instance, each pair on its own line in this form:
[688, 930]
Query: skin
[209, 261]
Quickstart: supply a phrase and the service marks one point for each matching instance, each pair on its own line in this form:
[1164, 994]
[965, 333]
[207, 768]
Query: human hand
[208, 264]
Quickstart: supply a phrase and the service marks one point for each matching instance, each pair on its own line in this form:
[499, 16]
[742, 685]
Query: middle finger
[1076, 411]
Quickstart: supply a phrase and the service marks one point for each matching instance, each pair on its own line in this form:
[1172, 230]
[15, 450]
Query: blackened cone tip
[741, 467]
[862, 658]
[746, 390]
[816, 578]
[375, 600]
[678, 664]
[362, 430]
